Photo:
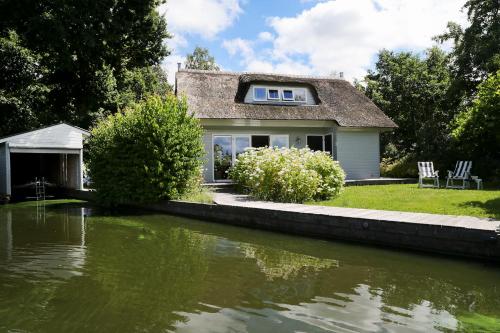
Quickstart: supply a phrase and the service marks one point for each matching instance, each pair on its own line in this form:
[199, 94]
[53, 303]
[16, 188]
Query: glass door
[223, 156]
[241, 142]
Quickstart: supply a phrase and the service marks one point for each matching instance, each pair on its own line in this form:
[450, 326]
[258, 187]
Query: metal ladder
[40, 189]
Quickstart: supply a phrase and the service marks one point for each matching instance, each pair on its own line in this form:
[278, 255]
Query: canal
[70, 267]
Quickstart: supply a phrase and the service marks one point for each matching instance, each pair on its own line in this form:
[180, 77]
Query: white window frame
[288, 99]
[269, 96]
[257, 99]
[273, 136]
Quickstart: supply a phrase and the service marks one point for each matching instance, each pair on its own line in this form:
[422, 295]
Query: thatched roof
[219, 95]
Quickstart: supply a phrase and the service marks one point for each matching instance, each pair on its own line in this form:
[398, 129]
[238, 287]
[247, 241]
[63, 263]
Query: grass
[47, 203]
[204, 195]
[409, 198]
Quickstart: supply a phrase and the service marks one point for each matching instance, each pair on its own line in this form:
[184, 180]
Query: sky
[304, 37]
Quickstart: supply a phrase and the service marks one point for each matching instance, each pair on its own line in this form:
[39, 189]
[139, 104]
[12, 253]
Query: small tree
[201, 59]
[151, 151]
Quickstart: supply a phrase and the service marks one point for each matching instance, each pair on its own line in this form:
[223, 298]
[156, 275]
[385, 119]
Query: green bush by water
[288, 175]
[149, 152]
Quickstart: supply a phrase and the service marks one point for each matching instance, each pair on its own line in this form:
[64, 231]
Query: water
[138, 272]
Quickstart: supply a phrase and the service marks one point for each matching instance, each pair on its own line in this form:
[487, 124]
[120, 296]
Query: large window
[260, 141]
[321, 143]
[226, 149]
[315, 142]
[280, 141]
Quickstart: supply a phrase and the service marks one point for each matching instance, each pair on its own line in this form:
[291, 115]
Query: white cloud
[170, 66]
[344, 35]
[239, 46]
[262, 62]
[266, 36]
[206, 18]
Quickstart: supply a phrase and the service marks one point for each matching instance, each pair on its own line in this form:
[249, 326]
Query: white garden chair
[461, 173]
[426, 171]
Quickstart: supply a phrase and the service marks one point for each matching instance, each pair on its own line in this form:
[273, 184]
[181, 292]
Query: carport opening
[59, 171]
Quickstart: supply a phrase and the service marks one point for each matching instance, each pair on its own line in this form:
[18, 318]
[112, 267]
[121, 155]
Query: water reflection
[151, 273]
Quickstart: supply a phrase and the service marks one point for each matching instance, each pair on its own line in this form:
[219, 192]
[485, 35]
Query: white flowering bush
[287, 174]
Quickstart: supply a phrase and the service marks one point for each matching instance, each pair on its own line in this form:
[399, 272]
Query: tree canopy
[84, 51]
[477, 130]
[412, 90]
[476, 48]
[444, 107]
[201, 59]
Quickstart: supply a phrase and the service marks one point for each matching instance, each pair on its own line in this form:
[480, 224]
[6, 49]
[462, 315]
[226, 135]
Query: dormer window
[259, 94]
[299, 95]
[273, 94]
[288, 95]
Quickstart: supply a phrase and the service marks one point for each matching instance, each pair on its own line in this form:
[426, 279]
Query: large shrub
[149, 152]
[288, 175]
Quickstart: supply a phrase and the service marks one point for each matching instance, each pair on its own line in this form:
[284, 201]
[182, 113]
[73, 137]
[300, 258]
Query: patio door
[223, 156]
[225, 150]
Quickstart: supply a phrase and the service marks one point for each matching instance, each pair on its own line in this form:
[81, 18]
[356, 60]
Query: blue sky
[310, 37]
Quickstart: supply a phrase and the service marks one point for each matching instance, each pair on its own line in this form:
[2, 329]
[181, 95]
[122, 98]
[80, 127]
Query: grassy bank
[47, 203]
[409, 198]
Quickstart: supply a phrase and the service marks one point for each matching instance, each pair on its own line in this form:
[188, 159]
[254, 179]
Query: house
[240, 110]
[53, 152]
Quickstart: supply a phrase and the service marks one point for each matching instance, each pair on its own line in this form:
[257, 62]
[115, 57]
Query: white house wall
[358, 152]
[4, 169]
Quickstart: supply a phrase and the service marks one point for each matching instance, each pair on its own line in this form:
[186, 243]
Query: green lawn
[409, 198]
[47, 203]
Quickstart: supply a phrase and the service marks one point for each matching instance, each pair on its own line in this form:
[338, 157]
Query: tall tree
[22, 92]
[201, 59]
[477, 130]
[87, 48]
[142, 82]
[476, 50]
[413, 92]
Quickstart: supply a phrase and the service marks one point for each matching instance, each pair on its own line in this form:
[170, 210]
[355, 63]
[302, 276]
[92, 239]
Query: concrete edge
[448, 240]
[443, 239]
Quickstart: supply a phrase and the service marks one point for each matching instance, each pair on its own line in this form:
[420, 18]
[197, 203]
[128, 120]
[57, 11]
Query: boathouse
[53, 153]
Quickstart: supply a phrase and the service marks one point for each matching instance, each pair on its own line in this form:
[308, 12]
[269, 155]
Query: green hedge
[149, 152]
[288, 175]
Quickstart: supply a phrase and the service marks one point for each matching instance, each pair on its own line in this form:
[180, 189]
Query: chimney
[341, 75]
[178, 66]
